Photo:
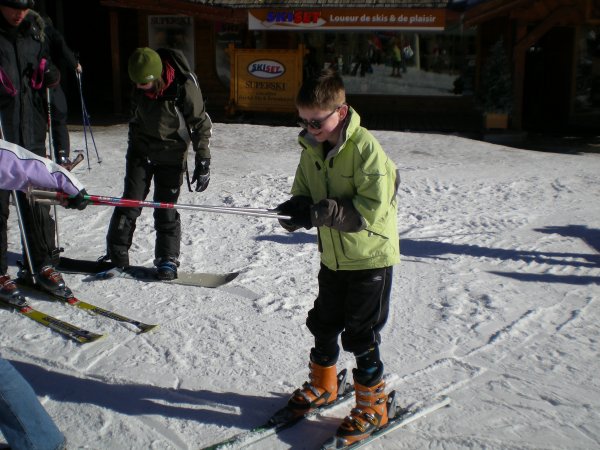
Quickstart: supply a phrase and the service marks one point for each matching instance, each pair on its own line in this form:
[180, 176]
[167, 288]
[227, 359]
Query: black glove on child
[78, 201]
[201, 174]
[298, 208]
[338, 214]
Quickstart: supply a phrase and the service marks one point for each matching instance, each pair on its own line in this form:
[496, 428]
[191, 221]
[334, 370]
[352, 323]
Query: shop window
[377, 63]
[230, 34]
[587, 97]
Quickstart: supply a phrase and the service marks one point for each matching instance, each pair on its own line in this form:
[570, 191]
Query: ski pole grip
[47, 197]
[47, 201]
[39, 193]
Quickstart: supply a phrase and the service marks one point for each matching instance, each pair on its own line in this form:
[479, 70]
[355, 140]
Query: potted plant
[496, 94]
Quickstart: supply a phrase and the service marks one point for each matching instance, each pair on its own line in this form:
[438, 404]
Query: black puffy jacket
[22, 111]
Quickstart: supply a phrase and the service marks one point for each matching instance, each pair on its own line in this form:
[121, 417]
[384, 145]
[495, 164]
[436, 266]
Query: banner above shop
[420, 19]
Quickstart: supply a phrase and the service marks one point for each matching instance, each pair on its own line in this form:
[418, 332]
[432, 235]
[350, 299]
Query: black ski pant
[353, 303]
[4, 198]
[39, 230]
[58, 116]
[139, 173]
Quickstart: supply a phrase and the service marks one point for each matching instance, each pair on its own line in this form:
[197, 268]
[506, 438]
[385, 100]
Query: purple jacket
[19, 169]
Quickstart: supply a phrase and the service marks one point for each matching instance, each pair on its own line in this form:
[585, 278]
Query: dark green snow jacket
[160, 129]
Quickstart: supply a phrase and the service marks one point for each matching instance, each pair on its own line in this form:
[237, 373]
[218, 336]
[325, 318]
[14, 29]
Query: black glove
[338, 214]
[298, 208]
[51, 76]
[78, 201]
[201, 174]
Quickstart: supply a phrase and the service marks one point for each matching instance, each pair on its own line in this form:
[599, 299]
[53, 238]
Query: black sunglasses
[316, 123]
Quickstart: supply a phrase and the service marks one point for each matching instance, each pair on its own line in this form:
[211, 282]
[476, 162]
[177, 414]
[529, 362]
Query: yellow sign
[265, 80]
[302, 19]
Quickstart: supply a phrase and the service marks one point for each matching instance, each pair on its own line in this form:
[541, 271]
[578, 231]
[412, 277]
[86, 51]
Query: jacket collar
[351, 124]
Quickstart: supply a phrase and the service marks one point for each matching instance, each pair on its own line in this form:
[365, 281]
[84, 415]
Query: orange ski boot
[320, 390]
[369, 414]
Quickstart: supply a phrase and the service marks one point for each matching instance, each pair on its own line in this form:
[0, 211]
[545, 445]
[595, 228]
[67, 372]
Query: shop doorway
[548, 81]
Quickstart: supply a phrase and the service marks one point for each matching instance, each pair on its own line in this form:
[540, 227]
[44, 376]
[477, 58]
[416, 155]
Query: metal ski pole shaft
[87, 150]
[86, 122]
[24, 241]
[128, 203]
[53, 157]
[89, 125]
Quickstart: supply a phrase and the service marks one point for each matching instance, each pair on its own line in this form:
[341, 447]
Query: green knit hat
[18, 4]
[144, 66]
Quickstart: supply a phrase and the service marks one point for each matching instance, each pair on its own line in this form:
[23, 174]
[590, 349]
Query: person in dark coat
[168, 113]
[66, 61]
[25, 73]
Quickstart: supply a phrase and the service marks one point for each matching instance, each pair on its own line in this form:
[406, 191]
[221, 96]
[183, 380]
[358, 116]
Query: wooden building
[552, 45]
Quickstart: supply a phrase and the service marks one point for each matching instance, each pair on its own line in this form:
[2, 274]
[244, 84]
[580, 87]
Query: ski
[66, 329]
[282, 419]
[398, 418]
[68, 297]
[70, 165]
[198, 279]
[103, 270]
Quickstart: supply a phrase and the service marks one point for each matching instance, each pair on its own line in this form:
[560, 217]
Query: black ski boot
[51, 280]
[9, 292]
[166, 268]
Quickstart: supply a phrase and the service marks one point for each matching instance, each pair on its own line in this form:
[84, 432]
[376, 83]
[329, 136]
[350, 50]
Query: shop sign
[172, 32]
[417, 19]
[265, 80]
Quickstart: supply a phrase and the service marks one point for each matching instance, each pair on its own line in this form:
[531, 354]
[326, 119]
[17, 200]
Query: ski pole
[87, 150]
[85, 118]
[61, 197]
[20, 219]
[53, 157]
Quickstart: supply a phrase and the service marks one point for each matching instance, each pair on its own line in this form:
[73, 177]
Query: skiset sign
[418, 19]
[265, 79]
[266, 68]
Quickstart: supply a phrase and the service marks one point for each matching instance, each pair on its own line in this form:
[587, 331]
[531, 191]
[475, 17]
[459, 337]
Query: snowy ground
[495, 304]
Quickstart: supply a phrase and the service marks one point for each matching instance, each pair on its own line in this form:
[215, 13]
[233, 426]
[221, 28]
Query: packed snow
[495, 303]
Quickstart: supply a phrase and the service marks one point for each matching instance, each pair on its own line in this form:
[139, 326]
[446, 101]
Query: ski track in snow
[495, 304]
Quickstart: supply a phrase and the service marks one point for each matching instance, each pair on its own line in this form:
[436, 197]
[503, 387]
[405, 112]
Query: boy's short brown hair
[325, 90]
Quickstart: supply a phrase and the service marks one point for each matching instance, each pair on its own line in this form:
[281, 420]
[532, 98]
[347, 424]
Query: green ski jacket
[356, 169]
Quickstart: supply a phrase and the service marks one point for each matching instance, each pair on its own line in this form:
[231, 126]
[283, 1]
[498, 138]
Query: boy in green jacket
[346, 186]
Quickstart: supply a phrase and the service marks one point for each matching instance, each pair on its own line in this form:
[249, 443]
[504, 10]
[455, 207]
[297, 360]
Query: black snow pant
[353, 303]
[39, 229]
[139, 173]
[4, 198]
[58, 115]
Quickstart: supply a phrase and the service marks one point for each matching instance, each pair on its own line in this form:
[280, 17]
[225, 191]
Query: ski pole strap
[187, 177]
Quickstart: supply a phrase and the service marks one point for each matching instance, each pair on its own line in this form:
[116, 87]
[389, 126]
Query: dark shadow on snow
[297, 237]
[549, 278]
[137, 399]
[437, 250]
[421, 248]
[590, 236]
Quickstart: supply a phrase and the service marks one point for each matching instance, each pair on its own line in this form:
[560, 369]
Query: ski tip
[144, 328]
[231, 276]
[88, 338]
